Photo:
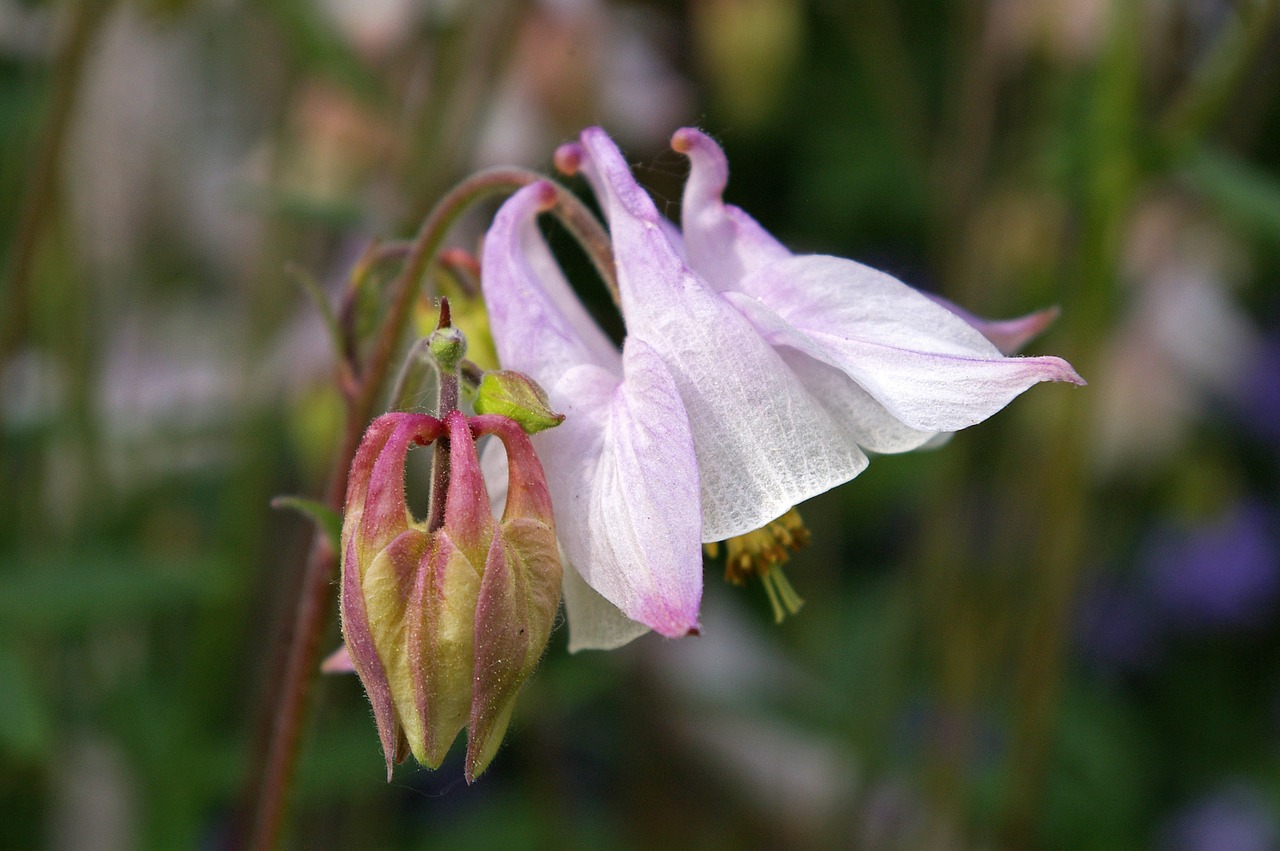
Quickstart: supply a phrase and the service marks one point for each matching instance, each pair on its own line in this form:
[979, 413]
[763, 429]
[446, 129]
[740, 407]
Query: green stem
[1220, 74]
[38, 203]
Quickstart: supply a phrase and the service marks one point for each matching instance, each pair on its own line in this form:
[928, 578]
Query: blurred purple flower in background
[1232, 818]
[1118, 629]
[1221, 574]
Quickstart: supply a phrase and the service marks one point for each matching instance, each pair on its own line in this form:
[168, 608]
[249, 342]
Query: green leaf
[328, 520]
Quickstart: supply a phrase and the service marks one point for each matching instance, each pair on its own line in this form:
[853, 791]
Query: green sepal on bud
[514, 395]
[448, 347]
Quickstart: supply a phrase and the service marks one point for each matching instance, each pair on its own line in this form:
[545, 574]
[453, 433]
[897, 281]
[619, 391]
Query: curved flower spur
[750, 376]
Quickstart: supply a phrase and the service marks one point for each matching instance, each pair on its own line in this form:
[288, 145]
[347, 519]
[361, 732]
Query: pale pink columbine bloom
[774, 373]
[790, 365]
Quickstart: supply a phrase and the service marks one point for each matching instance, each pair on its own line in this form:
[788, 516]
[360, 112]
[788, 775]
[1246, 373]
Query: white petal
[625, 489]
[539, 326]
[763, 442]
[858, 413]
[594, 622]
[925, 365]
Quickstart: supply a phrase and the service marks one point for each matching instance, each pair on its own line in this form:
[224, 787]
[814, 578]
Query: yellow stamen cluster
[762, 553]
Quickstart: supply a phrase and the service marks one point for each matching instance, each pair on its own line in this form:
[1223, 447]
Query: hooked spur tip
[545, 194]
[684, 140]
[568, 158]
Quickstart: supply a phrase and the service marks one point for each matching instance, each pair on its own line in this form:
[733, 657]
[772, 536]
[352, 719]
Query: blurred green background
[1059, 631]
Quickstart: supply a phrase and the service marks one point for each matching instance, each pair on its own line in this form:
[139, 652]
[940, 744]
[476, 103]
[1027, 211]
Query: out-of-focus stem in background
[1031, 560]
[40, 198]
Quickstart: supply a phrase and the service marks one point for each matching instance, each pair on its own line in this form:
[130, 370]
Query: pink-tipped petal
[539, 325]
[861, 417]
[625, 488]
[657, 579]
[1007, 335]
[338, 662]
[928, 368]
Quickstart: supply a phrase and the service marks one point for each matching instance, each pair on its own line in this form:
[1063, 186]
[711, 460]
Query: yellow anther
[762, 553]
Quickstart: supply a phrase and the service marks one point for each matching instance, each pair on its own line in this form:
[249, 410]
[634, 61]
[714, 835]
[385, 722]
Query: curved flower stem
[572, 213]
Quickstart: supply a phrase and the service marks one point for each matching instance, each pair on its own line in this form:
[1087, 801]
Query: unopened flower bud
[515, 395]
[448, 347]
[444, 626]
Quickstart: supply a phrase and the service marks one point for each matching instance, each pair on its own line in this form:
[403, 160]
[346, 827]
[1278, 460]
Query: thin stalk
[1220, 74]
[37, 205]
[418, 377]
[447, 361]
[448, 396]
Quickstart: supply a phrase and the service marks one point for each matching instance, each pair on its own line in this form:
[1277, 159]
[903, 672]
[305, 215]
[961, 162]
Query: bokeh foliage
[1059, 631]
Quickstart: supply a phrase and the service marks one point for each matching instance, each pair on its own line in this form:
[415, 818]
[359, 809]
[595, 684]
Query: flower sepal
[517, 396]
[444, 625]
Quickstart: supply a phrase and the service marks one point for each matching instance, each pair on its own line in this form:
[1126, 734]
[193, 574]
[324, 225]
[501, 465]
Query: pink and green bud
[444, 626]
[515, 395]
[448, 346]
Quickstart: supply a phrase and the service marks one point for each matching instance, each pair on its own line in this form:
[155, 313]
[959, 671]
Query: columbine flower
[777, 370]
[444, 626]
[789, 365]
